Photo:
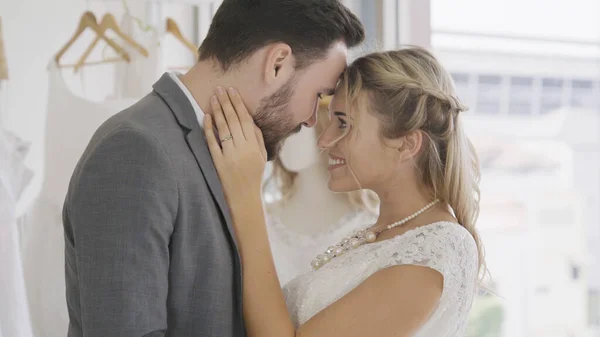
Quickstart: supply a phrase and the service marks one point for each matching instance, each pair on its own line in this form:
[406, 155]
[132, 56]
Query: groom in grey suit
[149, 244]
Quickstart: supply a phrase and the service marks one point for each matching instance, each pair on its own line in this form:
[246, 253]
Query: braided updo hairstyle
[408, 90]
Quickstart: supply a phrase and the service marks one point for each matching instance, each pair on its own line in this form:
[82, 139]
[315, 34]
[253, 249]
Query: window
[575, 271]
[552, 94]
[532, 84]
[489, 94]
[366, 11]
[521, 96]
[583, 95]
[463, 87]
[557, 216]
[594, 307]
[486, 318]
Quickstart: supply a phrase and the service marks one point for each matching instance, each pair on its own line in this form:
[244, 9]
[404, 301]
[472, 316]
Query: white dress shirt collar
[197, 110]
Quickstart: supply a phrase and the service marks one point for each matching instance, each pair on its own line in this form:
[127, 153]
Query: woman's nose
[324, 141]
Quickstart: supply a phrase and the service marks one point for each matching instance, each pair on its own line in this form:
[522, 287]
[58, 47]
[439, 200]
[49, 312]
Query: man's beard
[275, 120]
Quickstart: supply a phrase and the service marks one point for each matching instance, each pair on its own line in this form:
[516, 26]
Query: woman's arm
[265, 311]
[240, 162]
[393, 302]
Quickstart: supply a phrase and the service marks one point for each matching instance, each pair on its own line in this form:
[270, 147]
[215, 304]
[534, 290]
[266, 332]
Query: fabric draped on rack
[14, 177]
[135, 79]
[71, 121]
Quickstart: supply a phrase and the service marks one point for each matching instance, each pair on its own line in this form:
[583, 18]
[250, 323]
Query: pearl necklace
[360, 238]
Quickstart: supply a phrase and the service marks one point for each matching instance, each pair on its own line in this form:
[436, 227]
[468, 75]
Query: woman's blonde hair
[284, 180]
[409, 90]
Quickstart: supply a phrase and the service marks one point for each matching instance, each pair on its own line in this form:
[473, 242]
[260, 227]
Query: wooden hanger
[3, 63]
[174, 30]
[88, 20]
[109, 22]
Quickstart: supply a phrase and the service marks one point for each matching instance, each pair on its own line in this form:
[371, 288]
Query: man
[150, 249]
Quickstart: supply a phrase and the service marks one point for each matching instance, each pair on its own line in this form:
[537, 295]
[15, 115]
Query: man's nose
[312, 121]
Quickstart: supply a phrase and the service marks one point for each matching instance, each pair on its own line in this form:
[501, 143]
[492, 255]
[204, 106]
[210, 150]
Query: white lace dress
[443, 246]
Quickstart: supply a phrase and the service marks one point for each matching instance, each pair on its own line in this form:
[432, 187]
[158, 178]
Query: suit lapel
[186, 117]
[197, 143]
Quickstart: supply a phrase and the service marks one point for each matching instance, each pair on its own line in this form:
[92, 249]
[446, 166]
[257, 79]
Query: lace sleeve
[445, 247]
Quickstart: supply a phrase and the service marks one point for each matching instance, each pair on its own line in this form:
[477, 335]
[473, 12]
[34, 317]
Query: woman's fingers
[246, 121]
[231, 115]
[222, 127]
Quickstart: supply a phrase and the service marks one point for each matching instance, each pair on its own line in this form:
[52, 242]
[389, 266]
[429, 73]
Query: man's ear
[279, 63]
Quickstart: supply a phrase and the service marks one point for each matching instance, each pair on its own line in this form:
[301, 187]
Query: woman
[395, 129]
[303, 215]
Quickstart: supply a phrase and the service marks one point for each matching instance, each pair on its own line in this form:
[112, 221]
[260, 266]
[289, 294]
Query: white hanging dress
[135, 79]
[14, 177]
[71, 122]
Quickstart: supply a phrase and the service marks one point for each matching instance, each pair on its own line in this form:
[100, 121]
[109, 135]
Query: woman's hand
[240, 155]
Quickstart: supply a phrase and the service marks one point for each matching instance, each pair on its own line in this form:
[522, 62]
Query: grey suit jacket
[149, 245]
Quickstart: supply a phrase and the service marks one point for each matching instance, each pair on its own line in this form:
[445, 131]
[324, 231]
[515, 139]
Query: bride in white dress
[306, 216]
[395, 129]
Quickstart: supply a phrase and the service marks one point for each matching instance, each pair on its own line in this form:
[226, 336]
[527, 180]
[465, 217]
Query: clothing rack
[156, 13]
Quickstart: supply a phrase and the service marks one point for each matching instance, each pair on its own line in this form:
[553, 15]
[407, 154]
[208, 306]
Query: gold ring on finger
[228, 137]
